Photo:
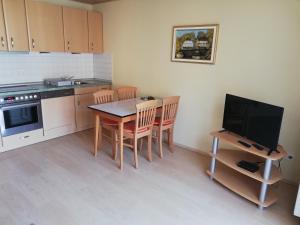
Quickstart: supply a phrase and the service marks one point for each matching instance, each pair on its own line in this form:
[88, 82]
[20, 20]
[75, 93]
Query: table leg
[97, 127]
[121, 144]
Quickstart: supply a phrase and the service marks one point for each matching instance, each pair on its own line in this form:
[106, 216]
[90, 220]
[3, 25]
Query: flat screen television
[257, 121]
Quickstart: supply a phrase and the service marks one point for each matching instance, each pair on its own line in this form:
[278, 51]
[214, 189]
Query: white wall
[257, 57]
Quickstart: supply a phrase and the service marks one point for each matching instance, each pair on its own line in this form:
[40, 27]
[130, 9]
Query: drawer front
[22, 139]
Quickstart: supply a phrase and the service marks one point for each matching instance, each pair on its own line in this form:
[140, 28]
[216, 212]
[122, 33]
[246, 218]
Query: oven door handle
[5, 108]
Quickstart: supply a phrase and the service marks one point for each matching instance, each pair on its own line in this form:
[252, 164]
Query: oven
[20, 114]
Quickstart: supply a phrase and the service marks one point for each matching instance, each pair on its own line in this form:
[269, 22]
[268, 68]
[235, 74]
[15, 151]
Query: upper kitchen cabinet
[75, 30]
[45, 26]
[3, 40]
[16, 26]
[95, 32]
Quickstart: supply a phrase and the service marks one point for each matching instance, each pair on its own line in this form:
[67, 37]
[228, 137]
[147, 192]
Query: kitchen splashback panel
[32, 67]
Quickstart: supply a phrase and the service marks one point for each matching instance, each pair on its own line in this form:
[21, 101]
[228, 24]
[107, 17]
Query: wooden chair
[101, 97]
[141, 127]
[126, 92]
[166, 121]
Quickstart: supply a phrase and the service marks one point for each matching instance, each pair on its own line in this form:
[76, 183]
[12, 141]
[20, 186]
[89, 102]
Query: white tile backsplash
[32, 67]
[103, 66]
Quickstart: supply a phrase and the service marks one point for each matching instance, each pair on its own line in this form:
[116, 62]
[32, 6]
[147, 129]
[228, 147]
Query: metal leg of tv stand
[215, 146]
[264, 185]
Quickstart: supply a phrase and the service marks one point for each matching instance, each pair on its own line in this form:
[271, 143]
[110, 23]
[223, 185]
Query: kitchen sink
[79, 82]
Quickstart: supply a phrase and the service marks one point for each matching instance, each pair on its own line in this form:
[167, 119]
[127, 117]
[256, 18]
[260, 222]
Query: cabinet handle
[12, 42]
[2, 41]
[33, 43]
[25, 137]
[78, 102]
[68, 45]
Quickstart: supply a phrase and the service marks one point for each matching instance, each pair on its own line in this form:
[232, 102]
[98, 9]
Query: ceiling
[92, 1]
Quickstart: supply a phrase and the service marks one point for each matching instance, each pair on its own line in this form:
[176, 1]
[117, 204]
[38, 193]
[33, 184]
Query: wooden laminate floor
[59, 182]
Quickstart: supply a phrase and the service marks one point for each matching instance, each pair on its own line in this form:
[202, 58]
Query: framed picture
[195, 44]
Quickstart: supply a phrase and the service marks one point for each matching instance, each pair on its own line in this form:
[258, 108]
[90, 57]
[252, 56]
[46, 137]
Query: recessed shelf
[245, 183]
[230, 158]
[242, 185]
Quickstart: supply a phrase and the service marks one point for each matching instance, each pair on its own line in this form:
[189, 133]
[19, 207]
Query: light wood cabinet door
[45, 26]
[85, 118]
[75, 30]
[58, 116]
[16, 26]
[3, 39]
[95, 22]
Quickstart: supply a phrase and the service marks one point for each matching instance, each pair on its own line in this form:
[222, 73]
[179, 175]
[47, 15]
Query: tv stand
[256, 187]
[244, 144]
[270, 151]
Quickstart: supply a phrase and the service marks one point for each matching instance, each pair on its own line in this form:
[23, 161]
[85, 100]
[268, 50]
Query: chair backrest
[103, 96]
[169, 110]
[126, 93]
[145, 115]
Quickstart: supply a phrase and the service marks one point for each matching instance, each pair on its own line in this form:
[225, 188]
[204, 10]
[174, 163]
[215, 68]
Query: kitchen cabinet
[58, 116]
[16, 26]
[75, 30]
[3, 39]
[45, 26]
[84, 116]
[95, 32]
[22, 139]
[83, 98]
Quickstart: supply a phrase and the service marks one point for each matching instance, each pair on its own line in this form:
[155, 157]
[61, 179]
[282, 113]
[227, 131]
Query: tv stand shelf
[252, 186]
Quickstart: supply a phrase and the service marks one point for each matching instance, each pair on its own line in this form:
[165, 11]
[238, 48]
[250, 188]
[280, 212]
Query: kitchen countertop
[37, 87]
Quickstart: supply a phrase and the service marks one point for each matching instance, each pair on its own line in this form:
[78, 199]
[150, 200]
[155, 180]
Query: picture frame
[195, 44]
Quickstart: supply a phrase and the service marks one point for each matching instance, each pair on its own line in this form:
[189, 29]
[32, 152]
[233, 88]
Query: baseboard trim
[185, 147]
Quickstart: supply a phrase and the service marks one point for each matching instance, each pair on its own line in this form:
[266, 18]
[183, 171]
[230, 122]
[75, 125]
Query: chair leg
[135, 154]
[155, 137]
[160, 140]
[115, 143]
[141, 144]
[150, 148]
[170, 139]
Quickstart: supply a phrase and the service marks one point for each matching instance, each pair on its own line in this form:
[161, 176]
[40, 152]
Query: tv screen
[257, 121]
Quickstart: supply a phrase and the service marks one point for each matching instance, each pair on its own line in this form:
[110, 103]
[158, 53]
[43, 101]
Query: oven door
[20, 118]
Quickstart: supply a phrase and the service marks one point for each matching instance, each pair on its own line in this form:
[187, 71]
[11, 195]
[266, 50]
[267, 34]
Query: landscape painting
[196, 44]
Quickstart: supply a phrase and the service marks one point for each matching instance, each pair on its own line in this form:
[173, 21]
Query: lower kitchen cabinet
[58, 116]
[22, 139]
[85, 118]
[84, 115]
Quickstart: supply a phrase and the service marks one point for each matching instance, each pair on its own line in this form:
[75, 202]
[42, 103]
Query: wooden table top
[233, 139]
[119, 108]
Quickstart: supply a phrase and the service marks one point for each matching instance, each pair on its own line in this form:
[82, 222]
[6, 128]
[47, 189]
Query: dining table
[120, 111]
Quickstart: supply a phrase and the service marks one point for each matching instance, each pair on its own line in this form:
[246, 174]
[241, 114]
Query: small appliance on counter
[59, 82]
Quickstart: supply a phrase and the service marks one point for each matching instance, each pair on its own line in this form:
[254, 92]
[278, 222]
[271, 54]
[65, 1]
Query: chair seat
[130, 127]
[109, 122]
[158, 120]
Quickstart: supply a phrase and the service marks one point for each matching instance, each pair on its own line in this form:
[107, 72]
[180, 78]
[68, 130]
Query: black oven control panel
[19, 98]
